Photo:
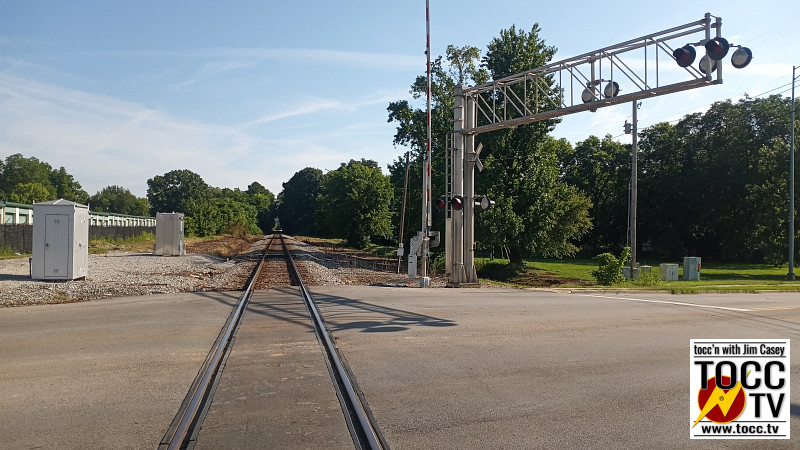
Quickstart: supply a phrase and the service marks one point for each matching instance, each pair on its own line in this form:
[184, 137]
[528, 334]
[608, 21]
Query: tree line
[209, 210]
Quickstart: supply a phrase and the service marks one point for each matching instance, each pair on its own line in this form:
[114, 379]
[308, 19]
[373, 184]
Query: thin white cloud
[102, 140]
[311, 57]
[309, 106]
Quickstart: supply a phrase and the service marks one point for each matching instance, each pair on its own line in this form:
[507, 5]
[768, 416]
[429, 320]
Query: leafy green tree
[713, 185]
[202, 217]
[601, 169]
[769, 203]
[237, 211]
[522, 164]
[30, 193]
[460, 66]
[238, 215]
[117, 199]
[256, 188]
[20, 170]
[172, 191]
[264, 202]
[66, 187]
[522, 170]
[355, 202]
[298, 202]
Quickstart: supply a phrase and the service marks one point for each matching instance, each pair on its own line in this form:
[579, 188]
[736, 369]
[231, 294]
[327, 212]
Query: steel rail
[363, 426]
[182, 430]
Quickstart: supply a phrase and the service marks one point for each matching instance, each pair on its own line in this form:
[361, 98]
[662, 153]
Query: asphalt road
[102, 374]
[441, 368]
[493, 368]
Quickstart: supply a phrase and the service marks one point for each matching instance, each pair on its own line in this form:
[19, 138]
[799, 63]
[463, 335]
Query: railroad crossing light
[685, 55]
[486, 203]
[588, 95]
[702, 65]
[457, 202]
[440, 203]
[717, 48]
[741, 57]
[611, 90]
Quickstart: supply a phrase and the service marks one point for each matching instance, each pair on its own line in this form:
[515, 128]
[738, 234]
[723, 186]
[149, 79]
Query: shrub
[648, 279]
[609, 269]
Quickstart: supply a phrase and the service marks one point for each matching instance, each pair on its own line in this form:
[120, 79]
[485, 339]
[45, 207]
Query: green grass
[713, 277]
[9, 253]
[567, 268]
[143, 242]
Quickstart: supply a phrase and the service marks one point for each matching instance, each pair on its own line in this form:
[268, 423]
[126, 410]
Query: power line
[774, 89]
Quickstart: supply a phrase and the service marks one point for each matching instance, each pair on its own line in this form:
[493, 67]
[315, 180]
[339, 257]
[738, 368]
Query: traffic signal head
[457, 203]
[717, 48]
[440, 203]
[685, 55]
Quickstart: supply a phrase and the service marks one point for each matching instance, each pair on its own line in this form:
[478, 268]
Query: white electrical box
[669, 272]
[60, 240]
[691, 268]
[169, 235]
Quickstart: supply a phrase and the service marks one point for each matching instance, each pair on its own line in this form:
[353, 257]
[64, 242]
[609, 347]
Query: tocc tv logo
[739, 389]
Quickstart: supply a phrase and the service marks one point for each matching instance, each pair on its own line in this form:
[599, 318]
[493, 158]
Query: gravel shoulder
[120, 274]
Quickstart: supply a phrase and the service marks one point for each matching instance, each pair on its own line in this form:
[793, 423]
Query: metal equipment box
[169, 235]
[691, 268]
[60, 240]
[669, 272]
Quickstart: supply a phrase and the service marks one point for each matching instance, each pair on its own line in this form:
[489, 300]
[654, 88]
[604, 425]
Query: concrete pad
[276, 391]
[102, 374]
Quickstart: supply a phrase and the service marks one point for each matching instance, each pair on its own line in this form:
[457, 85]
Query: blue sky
[243, 91]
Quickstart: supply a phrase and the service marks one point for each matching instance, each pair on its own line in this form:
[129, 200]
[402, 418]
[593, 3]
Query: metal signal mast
[641, 68]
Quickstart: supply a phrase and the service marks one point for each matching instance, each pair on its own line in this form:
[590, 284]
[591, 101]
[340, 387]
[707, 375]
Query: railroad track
[276, 267]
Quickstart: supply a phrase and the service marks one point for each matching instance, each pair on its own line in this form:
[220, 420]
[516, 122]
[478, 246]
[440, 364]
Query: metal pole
[469, 193]
[403, 215]
[634, 187]
[790, 275]
[424, 281]
[457, 275]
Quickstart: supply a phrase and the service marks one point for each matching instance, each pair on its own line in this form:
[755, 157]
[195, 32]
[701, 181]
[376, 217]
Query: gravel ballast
[119, 274]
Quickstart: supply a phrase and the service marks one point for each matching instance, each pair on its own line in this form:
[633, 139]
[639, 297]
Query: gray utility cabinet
[60, 240]
[169, 235]
[691, 268]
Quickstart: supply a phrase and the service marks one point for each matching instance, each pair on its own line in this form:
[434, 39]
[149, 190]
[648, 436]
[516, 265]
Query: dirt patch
[222, 246]
[533, 278]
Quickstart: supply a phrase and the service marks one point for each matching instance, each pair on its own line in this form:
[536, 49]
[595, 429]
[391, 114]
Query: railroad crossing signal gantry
[652, 65]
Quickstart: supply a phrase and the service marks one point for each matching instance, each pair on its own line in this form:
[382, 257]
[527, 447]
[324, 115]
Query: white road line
[726, 308]
[775, 308]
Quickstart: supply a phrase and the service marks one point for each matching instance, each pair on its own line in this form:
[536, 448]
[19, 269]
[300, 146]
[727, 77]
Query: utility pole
[424, 280]
[790, 275]
[400, 249]
[634, 184]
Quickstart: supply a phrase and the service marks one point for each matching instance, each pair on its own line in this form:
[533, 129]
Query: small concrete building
[60, 240]
[169, 235]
